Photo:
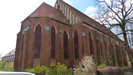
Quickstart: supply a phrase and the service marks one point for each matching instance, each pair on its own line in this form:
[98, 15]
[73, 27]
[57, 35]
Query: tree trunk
[127, 46]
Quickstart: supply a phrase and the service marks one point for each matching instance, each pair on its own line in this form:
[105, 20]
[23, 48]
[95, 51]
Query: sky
[13, 12]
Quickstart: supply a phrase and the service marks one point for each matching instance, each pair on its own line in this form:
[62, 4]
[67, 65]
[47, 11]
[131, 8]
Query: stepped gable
[91, 22]
[45, 10]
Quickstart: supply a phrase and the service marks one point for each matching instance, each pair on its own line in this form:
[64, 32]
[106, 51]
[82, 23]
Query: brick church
[64, 34]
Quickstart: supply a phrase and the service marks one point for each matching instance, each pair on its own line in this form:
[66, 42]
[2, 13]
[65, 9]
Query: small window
[60, 30]
[14, 56]
[83, 34]
[27, 28]
[105, 40]
[98, 38]
[111, 43]
[11, 56]
[59, 7]
[47, 28]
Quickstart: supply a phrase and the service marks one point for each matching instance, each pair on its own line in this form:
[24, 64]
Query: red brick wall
[25, 46]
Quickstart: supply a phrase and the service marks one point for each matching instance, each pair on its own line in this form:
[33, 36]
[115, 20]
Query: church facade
[64, 34]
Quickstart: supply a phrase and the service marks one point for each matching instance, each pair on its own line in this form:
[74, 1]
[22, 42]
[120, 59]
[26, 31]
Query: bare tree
[118, 15]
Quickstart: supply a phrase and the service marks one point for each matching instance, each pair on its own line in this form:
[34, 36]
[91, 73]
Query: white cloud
[12, 14]
[67, 1]
[90, 10]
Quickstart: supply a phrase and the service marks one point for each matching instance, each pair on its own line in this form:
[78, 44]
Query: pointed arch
[37, 25]
[52, 42]
[67, 34]
[37, 44]
[65, 40]
[76, 45]
[55, 29]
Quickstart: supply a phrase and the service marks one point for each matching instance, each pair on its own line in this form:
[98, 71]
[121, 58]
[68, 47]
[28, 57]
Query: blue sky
[13, 12]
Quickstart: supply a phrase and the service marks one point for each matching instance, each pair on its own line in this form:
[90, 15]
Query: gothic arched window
[91, 44]
[76, 45]
[65, 40]
[53, 42]
[37, 45]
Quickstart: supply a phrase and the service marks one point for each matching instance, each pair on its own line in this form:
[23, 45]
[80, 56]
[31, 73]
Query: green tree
[2, 64]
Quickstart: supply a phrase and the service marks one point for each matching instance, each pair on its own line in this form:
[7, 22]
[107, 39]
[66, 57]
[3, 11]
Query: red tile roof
[12, 52]
[45, 10]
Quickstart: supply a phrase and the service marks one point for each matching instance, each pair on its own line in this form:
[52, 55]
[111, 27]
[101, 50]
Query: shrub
[86, 67]
[5, 67]
[8, 68]
[39, 69]
[54, 69]
[60, 69]
[101, 66]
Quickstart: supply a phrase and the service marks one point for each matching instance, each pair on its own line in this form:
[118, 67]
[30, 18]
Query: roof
[12, 52]
[91, 22]
[45, 10]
